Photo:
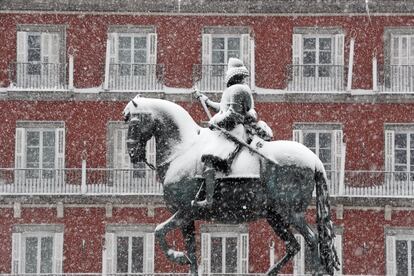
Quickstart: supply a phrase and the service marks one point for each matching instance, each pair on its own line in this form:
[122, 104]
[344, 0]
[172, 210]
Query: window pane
[32, 156]
[325, 155]
[309, 58]
[233, 43]
[31, 255]
[33, 138]
[309, 43]
[124, 56]
[400, 157]
[400, 140]
[325, 140]
[122, 254]
[216, 255]
[325, 44]
[325, 58]
[46, 255]
[140, 56]
[231, 255]
[233, 54]
[217, 57]
[33, 41]
[33, 55]
[137, 255]
[309, 140]
[401, 251]
[140, 42]
[218, 43]
[124, 42]
[49, 138]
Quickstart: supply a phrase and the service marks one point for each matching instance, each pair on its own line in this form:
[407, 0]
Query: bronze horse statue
[279, 191]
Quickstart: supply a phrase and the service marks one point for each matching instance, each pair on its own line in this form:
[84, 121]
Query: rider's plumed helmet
[235, 67]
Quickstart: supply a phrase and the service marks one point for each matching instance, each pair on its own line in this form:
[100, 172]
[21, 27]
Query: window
[303, 261]
[40, 149]
[125, 171]
[325, 140]
[37, 249]
[402, 49]
[399, 150]
[317, 59]
[40, 54]
[129, 249]
[218, 45]
[132, 54]
[224, 249]
[400, 252]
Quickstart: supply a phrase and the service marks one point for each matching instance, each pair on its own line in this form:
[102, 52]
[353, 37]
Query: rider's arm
[214, 105]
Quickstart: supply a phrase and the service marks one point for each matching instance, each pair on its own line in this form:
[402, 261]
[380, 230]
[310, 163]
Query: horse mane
[162, 108]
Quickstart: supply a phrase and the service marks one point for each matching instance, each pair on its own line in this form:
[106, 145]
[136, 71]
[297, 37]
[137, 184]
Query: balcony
[210, 78]
[39, 76]
[85, 181]
[108, 181]
[134, 77]
[396, 78]
[316, 78]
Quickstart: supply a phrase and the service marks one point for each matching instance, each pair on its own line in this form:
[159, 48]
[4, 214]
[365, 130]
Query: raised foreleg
[176, 221]
[281, 228]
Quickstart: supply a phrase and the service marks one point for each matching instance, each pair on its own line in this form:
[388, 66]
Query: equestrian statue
[231, 172]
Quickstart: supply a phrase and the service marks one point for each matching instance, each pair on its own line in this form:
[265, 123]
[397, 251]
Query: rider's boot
[209, 175]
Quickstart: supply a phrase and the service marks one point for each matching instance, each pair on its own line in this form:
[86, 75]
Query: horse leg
[300, 224]
[176, 221]
[281, 228]
[188, 230]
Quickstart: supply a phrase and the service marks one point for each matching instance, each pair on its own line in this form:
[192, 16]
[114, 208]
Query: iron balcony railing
[135, 77]
[100, 181]
[328, 78]
[38, 76]
[396, 78]
[109, 181]
[210, 78]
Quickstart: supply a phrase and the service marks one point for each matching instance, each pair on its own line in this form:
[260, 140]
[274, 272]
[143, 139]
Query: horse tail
[326, 235]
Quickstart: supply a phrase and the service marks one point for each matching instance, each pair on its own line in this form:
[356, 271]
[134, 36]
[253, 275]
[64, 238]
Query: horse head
[141, 127]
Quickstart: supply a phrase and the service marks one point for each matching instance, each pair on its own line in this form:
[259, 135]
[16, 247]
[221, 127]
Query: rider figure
[236, 115]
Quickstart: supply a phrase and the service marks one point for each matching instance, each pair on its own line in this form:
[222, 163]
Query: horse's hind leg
[281, 228]
[188, 230]
[299, 223]
[176, 221]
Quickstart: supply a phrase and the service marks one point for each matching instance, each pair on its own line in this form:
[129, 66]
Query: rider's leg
[209, 175]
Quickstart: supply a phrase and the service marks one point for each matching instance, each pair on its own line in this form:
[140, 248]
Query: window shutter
[21, 47]
[205, 252]
[390, 252]
[20, 154]
[297, 49]
[298, 135]
[152, 38]
[16, 253]
[246, 43]
[206, 49]
[389, 151]
[339, 49]
[149, 253]
[113, 48]
[338, 245]
[150, 152]
[120, 153]
[108, 254]
[338, 150]
[244, 254]
[299, 259]
[45, 47]
[54, 48]
[60, 148]
[58, 252]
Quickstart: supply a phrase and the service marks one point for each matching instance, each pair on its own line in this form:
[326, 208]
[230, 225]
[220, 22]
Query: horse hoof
[178, 257]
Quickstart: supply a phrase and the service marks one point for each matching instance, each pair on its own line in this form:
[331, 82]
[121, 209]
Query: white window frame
[22, 127]
[392, 235]
[397, 56]
[109, 253]
[22, 232]
[225, 231]
[337, 173]
[299, 258]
